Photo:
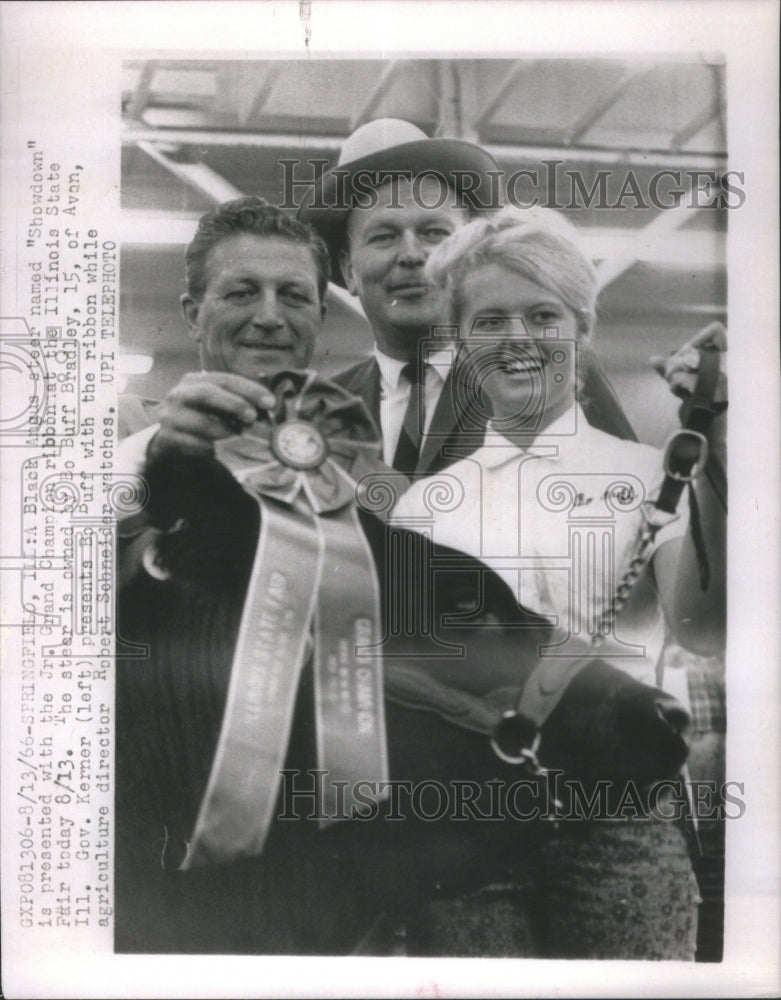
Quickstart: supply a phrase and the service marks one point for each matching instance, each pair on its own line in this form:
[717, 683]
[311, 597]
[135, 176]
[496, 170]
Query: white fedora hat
[390, 144]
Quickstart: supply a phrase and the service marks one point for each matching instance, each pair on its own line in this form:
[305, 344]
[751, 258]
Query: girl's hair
[536, 243]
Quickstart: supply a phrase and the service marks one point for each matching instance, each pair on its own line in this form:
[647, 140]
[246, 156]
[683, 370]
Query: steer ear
[152, 561]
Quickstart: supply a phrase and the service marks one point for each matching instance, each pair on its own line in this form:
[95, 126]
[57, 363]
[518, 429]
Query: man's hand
[680, 368]
[206, 407]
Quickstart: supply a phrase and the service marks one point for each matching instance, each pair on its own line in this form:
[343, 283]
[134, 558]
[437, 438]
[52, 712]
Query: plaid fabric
[707, 696]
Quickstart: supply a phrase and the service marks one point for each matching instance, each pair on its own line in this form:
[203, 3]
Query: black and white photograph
[375, 378]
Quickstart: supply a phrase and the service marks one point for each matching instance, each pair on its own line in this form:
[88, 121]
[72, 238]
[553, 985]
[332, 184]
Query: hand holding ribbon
[313, 570]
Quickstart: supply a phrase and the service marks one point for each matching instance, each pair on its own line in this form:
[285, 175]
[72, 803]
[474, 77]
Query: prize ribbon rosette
[313, 590]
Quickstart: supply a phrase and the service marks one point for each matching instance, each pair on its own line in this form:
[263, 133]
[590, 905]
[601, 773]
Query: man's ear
[190, 309]
[347, 272]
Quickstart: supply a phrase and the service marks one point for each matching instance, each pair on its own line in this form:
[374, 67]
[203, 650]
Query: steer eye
[466, 605]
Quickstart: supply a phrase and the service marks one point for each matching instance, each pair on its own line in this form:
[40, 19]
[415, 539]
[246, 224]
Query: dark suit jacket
[456, 428]
[458, 425]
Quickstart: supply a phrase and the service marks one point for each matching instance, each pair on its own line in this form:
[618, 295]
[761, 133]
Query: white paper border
[747, 32]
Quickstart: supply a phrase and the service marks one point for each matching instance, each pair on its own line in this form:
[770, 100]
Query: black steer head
[606, 726]
[315, 891]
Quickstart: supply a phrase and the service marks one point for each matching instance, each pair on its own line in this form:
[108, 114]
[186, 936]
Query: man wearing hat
[392, 197]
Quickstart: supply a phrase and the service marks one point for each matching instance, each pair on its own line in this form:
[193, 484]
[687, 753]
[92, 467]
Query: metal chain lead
[527, 756]
[644, 551]
[653, 520]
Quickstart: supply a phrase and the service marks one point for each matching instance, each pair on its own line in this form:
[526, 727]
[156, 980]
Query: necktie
[408, 447]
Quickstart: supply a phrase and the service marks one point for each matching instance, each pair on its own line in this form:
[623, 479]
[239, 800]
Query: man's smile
[262, 345]
[409, 289]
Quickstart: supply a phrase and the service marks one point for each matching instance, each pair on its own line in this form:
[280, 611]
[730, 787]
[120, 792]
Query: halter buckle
[678, 437]
[656, 519]
[512, 720]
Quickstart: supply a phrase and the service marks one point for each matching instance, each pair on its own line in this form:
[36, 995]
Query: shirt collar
[390, 368]
[553, 443]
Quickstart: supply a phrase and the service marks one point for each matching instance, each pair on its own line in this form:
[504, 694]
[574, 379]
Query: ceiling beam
[693, 250]
[693, 127]
[196, 175]
[131, 136]
[501, 93]
[651, 241]
[380, 89]
[265, 87]
[715, 109]
[524, 152]
[140, 97]
[591, 116]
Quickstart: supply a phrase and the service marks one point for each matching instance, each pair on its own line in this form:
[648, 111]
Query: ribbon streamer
[313, 572]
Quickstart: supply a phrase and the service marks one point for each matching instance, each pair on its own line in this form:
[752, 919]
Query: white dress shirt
[395, 390]
[559, 522]
[131, 452]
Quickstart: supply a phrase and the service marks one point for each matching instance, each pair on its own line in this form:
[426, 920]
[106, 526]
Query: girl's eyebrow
[515, 311]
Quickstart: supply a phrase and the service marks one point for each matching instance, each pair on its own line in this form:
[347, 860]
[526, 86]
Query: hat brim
[328, 203]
